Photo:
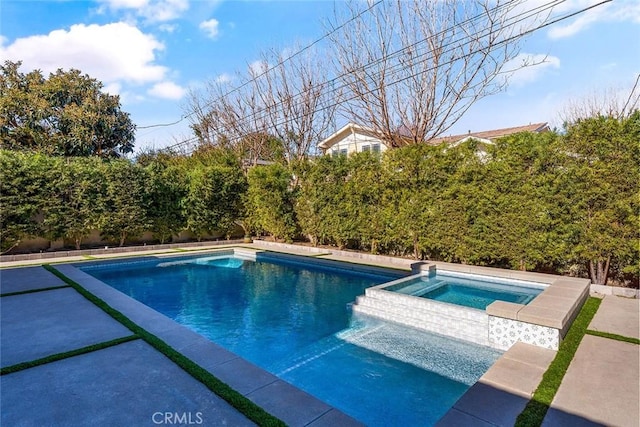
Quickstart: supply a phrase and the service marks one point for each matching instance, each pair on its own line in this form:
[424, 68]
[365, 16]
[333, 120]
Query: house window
[366, 148]
[376, 148]
[343, 151]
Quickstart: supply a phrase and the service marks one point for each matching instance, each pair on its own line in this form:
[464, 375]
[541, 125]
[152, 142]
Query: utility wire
[309, 46]
[426, 54]
[162, 124]
[413, 47]
[554, 21]
[361, 68]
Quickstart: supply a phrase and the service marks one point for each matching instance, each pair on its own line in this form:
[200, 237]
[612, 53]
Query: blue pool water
[293, 320]
[470, 292]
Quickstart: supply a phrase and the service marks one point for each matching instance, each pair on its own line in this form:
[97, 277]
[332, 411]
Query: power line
[309, 46]
[546, 24]
[415, 48]
[162, 124]
[361, 68]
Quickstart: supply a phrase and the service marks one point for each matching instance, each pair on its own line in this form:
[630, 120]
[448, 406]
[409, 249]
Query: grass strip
[31, 291]
[59, 356]
[252, 411]
[535, 411]
[613, 336]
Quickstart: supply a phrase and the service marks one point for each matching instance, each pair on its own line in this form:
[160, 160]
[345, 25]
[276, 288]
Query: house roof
[343, 132]
[485, 136]
[490, 135]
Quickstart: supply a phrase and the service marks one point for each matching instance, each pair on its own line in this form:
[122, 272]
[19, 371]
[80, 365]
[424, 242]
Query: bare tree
[227, 117]
[618, 103]
[279, 96]
[412, 68]
[299, 107]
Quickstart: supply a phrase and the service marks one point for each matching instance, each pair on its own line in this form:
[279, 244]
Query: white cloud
[618, 11]
[526, 68]
[112, 88]
[168, 28]
[258, 67]
[609, 67]
[151, 10]
[210, 27]
[580, 23]
[112, 53]
[224, 78]
[167, 90]
[125, 4]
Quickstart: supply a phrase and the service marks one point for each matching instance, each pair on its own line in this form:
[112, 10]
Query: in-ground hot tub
[487, 309]
[467, 290]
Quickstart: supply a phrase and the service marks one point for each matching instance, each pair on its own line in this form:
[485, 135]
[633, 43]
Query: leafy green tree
[270, 200]
[125, 214]
[409, 197]
[76, 198]
[602, 163]
[165, 191]
[363, 196]
[23, 187]
[214, 200]
[511, 204]
[313, 199]
[321, 210]
[64, 115]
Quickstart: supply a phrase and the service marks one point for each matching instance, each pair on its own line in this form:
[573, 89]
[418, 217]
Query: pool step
[445, 319]
[421, 288]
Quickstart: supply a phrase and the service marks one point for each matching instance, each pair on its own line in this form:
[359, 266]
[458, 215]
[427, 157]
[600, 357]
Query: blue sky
[152, 52]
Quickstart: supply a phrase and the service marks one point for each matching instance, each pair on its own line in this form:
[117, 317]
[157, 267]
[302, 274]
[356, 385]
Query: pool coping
[276, 396]
[175, 331]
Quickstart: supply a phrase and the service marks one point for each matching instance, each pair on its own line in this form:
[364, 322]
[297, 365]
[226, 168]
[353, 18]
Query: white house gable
[350, 139]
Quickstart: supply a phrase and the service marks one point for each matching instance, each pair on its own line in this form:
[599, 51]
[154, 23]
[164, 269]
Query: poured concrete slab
[531, 355]
[456, 418]
[128, 384]
[618, 315]
[504, 390]
[39, 261]
[243, 376]
[602, 385]
[27, 279]
[514, 376]
[43, 323]
[488, 404]
[291, 405]
[334, 418]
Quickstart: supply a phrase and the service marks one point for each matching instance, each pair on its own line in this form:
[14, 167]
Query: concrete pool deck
[104, 387]
[601, 386]
[129, 383]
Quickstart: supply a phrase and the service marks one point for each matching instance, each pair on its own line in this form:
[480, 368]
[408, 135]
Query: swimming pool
[466, 290]
[292, 319]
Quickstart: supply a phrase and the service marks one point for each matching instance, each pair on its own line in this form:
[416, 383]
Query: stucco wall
[94, 240]
[354, 143]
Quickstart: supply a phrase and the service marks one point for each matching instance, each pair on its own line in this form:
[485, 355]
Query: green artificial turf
[235, 399]
[59, 356]
[535, 411]
[614, 336]
[31, 291]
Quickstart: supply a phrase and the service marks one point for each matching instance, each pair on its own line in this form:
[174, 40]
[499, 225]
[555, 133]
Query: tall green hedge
[546, 202]
[68, 198]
